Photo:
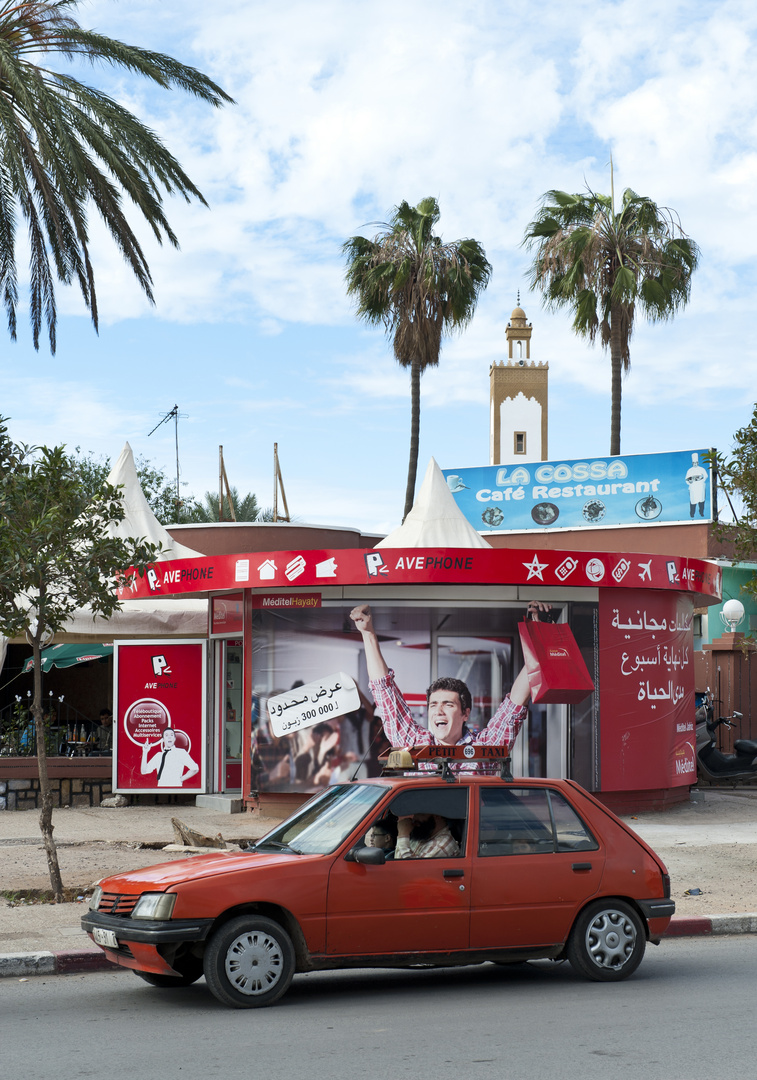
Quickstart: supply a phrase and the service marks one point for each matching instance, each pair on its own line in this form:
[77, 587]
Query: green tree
[66, 146]
[56, 555]
[419, 289]
[159, 488]
[245, 508]
[604, 263]
[737, 479]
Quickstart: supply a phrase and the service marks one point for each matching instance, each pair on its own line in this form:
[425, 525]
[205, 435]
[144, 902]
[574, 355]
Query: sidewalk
[709, 845]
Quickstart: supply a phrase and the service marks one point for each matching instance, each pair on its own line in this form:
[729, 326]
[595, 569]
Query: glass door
[230, 705]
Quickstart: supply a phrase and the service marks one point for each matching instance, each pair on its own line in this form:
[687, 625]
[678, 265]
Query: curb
[73, 962]
[699, 925]
[82, 961]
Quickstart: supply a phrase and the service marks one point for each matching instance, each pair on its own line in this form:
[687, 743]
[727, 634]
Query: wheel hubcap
[254, 963]
[610, 939]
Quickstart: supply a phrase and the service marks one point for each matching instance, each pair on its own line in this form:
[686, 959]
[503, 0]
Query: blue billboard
[631, 490]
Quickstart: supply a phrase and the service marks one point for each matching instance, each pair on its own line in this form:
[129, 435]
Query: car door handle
[582, 866]
[454, 873]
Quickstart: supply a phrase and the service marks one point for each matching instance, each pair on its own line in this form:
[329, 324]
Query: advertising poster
[637, 489]
[159, 726]
[646, 669]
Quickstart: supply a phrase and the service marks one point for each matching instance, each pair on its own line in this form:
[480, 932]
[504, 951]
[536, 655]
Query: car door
[405, 905]
[535, 864]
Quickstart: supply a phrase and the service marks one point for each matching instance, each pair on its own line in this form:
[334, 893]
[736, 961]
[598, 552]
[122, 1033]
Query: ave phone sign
[160, 722]
[635, 489]
[312, 703]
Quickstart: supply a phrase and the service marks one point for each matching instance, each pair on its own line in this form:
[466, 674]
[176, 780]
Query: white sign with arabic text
[311, 704]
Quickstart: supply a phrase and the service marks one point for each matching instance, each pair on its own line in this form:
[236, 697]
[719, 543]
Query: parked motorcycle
[713, 763]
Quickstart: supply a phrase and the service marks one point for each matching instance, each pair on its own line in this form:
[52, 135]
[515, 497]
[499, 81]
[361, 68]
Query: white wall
[520, 414]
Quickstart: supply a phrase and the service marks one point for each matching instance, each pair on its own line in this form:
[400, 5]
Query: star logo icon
[535, 568]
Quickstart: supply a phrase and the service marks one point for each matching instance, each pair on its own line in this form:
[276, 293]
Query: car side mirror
[369, 856]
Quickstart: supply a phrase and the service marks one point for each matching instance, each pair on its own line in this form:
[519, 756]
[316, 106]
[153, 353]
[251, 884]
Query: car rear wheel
[249, 962]
[607, 941]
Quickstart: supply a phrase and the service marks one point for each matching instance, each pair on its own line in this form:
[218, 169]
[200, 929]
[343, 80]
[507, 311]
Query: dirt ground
[709, 845]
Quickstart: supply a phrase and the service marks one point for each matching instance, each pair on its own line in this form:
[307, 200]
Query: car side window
[528, 821]
[440, 819]
[572, 834]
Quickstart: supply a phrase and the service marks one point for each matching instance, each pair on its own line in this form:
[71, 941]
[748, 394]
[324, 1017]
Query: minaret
[518, 399]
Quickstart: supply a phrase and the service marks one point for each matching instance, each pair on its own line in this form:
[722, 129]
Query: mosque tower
[518, 399]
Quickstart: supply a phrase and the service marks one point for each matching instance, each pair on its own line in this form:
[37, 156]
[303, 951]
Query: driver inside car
[425, 836]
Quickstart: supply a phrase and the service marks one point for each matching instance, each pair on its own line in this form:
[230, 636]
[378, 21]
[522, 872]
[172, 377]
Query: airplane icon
[646, 570]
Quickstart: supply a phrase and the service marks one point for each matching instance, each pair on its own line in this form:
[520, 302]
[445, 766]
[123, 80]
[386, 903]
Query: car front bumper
[147, 931]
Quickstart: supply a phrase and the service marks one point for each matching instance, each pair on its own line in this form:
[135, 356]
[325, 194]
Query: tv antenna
[176, 417]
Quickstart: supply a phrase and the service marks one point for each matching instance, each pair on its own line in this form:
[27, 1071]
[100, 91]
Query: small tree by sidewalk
[56, 555]
[737, 477]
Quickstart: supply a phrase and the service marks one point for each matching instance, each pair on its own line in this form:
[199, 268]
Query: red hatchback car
[540, 869]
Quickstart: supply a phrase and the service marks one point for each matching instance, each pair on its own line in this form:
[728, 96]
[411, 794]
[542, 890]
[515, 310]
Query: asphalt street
[687, 1012]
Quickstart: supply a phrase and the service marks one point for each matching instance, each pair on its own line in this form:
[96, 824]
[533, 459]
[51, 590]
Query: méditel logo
[558, 652]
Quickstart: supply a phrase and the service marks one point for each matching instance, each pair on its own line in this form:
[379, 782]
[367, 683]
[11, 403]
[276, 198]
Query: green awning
[67, 655]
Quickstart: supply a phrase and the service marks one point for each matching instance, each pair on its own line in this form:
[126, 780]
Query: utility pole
[223, 482]
[278, 483]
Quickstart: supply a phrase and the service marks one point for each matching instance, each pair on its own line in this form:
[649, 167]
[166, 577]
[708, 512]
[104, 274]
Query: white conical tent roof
[139, 520]
[436, 521]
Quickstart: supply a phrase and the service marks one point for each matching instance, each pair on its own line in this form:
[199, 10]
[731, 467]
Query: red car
[528, 869]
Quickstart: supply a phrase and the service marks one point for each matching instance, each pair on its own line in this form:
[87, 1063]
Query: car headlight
[95, 898]
[155, 905]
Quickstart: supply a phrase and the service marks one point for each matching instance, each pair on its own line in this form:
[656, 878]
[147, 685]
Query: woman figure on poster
[173, 765]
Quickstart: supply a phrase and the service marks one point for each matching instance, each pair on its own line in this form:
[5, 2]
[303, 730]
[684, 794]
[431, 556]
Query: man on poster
[172, 764]
[696, 478]
[449, 702]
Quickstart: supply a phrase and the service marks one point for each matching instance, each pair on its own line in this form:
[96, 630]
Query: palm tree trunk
[46, 795]
[616, 368]
[415, 431]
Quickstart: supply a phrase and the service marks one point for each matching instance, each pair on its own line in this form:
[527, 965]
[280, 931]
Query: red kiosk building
[279, 617]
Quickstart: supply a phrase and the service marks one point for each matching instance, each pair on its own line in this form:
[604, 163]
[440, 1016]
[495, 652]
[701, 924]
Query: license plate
[106, 938]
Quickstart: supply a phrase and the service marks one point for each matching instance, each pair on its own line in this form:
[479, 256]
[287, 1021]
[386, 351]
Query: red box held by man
[556, 670]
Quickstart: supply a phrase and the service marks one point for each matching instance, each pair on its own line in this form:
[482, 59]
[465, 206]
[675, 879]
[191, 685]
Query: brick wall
[74, 782]
[23, 793]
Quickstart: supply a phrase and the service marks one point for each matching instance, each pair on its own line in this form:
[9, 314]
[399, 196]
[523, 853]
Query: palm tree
[603, 264]
[419, 289]
[65, 146]
[246, 508]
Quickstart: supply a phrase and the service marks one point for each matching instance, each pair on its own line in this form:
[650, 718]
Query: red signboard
[413, 566]
[646, 691]
[226, 614]
[159, 727]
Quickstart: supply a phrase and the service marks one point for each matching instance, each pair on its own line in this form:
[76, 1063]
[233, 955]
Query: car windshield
[321, 825]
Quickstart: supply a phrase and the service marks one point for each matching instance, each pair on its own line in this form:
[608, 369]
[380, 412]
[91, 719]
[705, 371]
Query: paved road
[671, 1021]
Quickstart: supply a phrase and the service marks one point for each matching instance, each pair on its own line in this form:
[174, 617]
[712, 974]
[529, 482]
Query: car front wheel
[249, 962]
[607, 941]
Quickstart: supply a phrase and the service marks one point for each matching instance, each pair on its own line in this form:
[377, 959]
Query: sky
[344, 108]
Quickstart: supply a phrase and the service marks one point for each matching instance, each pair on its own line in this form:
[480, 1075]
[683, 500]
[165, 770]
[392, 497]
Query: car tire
[249, 962]
[607, 941]
[170, 982]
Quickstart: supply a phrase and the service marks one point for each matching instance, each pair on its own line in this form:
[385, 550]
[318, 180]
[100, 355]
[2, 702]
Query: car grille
[114, 904]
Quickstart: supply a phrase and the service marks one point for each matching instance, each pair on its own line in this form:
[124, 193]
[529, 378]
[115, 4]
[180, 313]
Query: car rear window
[527, 821]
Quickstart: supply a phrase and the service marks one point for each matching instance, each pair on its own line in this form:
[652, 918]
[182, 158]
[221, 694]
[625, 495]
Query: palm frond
[65, 146]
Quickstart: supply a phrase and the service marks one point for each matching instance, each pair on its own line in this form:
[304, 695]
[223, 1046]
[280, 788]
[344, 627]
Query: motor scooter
[713, 763]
